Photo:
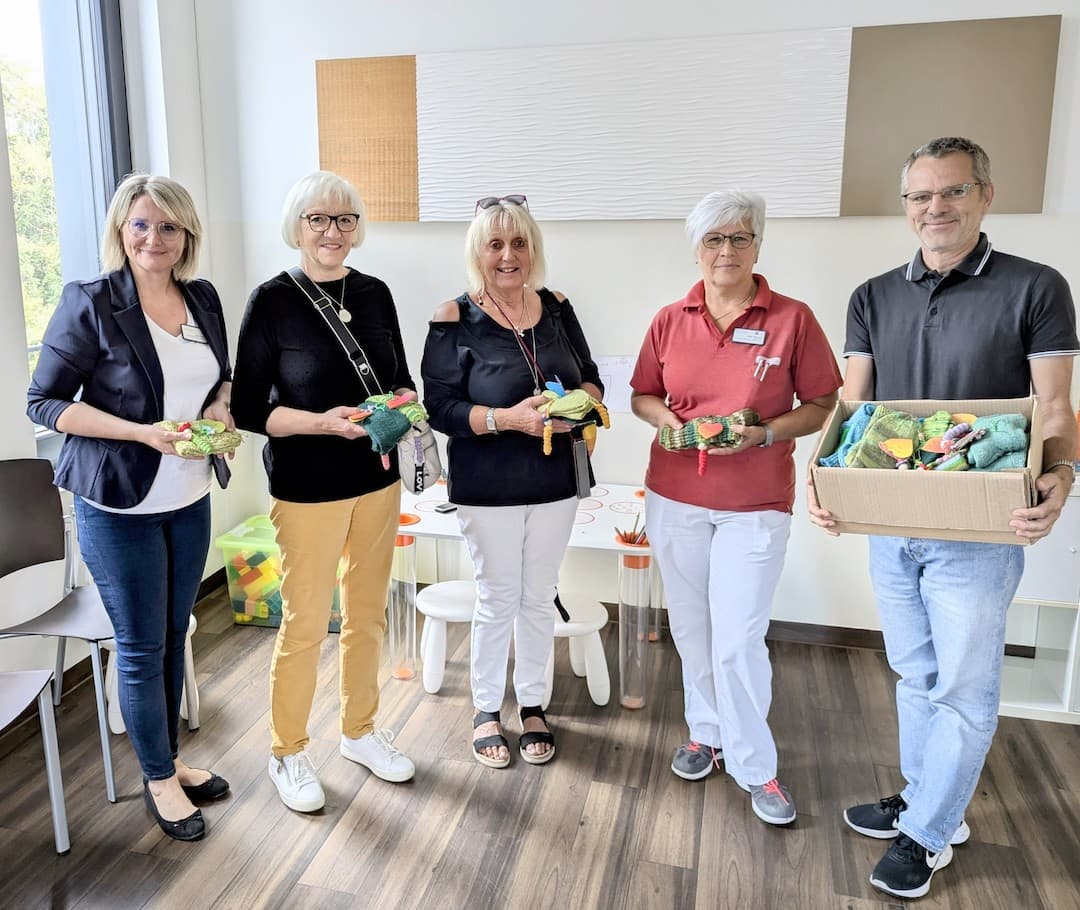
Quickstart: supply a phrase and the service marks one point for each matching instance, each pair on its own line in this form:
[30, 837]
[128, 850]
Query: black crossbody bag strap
[327, 308]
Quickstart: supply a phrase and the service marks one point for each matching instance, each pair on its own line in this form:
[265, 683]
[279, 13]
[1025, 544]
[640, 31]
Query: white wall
[252, 67]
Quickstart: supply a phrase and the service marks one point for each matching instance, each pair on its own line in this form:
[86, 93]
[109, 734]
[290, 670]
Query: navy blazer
[98, 341]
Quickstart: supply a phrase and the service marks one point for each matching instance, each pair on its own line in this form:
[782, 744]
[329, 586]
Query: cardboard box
[253, 571]
[945, 505]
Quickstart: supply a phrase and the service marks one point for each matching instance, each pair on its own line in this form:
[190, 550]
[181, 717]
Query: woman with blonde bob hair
[488, 356]
[143, 343]
[331, 497]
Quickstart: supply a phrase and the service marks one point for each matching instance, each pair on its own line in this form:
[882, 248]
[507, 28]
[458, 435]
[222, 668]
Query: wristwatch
[768, 436]
[489, 419]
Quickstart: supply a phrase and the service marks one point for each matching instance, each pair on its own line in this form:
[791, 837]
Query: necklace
[738, 307]
[343, 314]
[519, 336]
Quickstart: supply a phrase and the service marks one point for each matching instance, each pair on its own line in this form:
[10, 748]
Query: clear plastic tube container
[401, 609]
[634, 617]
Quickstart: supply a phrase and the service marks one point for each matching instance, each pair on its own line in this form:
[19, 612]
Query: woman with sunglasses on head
[488, 356]
[719, 526]
[332, 499]
[143, 343]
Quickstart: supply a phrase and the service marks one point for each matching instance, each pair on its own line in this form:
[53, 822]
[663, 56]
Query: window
[61, 72]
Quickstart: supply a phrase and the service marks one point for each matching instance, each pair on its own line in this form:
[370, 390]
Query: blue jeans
[148, 569]
[943, 606]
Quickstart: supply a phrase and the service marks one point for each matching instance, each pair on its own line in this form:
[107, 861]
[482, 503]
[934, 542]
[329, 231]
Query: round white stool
[189, 698]
[442, 602]
[587, 659]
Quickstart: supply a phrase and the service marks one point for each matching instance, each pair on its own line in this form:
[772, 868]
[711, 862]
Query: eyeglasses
[321, 223]
[739, 241]
[488, 201]
[166, 230]
[950, 193]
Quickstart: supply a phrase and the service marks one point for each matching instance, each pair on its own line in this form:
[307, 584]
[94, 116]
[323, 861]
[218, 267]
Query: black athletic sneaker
[907, 867]
[880, 819]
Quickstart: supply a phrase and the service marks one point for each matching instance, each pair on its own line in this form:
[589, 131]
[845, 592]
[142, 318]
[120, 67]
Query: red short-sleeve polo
[701, 371]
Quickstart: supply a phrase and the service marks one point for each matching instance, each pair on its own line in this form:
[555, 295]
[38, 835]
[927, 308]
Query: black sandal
[488, 742]
[527, 739]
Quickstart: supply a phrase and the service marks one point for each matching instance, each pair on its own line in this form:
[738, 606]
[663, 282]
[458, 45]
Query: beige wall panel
[991, 80]
[367, 131]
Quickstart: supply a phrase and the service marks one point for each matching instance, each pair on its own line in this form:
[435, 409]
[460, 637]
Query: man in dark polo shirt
[960, 320]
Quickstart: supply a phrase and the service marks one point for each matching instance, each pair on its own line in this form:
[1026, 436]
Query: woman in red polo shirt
[720, 537]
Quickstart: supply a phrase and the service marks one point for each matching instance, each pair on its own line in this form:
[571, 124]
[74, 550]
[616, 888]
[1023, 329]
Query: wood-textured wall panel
[367, 130]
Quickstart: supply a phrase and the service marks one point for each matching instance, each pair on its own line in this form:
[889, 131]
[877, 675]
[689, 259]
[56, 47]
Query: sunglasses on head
[488, 201]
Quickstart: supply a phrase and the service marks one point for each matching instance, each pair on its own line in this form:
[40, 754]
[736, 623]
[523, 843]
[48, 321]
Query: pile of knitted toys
[877, 437]
[208, 437]
[704, 433]
[387, 418]
[575, 407]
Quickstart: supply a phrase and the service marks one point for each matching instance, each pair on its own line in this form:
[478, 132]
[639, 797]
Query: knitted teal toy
[1005, 444]
[387, 418]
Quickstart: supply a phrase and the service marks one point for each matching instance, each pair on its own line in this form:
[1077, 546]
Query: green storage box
[253, 571]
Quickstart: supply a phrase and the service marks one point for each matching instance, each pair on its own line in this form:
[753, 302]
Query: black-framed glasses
[321, 223]
[514, 199]
[740, 240]
[950, 193]
[168, 231]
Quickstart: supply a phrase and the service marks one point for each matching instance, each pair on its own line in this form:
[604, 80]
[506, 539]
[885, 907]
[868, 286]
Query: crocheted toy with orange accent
[576, 407]
[208, 437]
[387, 418]
[704, 433]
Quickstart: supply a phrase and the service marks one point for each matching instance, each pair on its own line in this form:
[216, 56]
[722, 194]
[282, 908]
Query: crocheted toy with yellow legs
[572, 406]
[704, 433]
[208, 437]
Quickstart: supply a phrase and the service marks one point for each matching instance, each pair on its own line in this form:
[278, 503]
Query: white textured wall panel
[643, 130]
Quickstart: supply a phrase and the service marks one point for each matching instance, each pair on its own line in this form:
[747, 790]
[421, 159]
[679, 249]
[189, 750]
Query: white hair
[727, 207]
[321, 187]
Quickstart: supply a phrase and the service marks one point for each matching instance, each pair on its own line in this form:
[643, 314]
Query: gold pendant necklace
[343, 314]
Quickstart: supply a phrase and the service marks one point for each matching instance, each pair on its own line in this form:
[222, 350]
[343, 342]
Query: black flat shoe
[208, 790]
[541, 736]
[191, 828]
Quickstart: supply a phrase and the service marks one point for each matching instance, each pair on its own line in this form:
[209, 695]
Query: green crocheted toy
[704, 433]
[208, 437]
[575, 405]
[387, 418]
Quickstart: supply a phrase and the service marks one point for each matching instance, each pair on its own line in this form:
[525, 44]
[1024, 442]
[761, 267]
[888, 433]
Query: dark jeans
[148, 569]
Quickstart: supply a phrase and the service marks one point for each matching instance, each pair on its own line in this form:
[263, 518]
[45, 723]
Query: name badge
[748, 336]
[193, 333]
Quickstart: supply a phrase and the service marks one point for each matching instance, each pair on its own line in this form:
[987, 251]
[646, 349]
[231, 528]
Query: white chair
[189, 698]
[442, 602]
[587, 618]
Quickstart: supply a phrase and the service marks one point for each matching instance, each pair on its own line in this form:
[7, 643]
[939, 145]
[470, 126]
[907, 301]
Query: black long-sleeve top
[477, 361]
[288, 356]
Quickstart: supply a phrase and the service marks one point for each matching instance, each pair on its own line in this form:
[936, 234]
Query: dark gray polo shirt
[969, 334]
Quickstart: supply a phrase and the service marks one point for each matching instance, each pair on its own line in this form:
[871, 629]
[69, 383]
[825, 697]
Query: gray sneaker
[694, 760]
[772, 803]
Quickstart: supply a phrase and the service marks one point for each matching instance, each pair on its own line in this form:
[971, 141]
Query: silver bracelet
[1067, 462]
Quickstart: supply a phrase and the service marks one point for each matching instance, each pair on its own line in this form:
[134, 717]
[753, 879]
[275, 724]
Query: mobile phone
[445, 507]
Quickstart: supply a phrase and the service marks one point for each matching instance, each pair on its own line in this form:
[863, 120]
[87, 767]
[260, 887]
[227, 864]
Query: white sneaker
[296, 782]
[376, 752]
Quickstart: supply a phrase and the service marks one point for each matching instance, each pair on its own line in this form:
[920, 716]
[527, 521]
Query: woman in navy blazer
[143, 343]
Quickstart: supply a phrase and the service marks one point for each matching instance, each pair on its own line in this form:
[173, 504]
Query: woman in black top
[489, 353]
[332, 498]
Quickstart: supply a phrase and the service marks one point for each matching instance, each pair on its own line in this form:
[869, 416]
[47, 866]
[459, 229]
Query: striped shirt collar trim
[917, 261]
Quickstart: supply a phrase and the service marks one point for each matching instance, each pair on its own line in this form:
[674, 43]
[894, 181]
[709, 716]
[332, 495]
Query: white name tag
[193, 333]
[748, 336]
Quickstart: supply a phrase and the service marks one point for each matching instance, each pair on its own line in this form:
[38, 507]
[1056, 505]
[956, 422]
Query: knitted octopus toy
[575, 405]
[208, 437]
[704, 433]
[387, 418]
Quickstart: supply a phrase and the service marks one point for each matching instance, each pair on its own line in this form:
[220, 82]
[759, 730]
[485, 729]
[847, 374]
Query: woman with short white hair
[718, 526]
[331, 496]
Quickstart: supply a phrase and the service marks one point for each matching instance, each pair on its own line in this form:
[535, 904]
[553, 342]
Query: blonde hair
[173, 200]
[507, 217]
[320, 187]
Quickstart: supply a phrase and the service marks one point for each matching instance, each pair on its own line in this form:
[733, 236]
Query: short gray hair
[727, 207]
[320, 187]
[173, 200]
[950, 145]
[507, 217]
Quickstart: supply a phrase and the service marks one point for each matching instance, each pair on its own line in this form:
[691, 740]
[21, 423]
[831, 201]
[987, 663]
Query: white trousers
[516, 551]
[720, 572]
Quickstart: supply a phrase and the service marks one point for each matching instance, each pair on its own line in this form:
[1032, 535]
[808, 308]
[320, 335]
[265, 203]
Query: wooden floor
[605, 825]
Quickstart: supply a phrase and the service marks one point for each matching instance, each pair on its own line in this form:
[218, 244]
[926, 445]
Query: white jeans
[720, 571]
[516, 551]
